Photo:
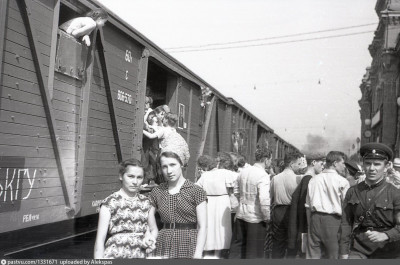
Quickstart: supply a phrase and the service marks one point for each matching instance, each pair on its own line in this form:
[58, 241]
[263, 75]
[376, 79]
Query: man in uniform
[370, 222]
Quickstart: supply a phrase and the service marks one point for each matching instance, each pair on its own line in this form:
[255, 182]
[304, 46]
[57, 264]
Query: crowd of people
[317, 206]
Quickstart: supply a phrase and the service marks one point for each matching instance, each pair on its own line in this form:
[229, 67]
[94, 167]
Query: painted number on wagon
[128, 56]
[124, 97]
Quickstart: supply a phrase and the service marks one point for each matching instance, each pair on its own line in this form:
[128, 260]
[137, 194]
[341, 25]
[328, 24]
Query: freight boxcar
[70, 113]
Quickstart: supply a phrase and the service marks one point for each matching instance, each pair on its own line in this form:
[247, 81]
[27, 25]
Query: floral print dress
[127, 227]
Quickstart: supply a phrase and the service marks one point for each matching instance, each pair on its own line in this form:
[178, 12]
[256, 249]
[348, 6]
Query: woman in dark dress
[182, 208]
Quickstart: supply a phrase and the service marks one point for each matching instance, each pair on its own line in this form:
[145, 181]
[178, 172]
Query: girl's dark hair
[241, 161]
[159, 109]
[225, 161]
[206, 162]
[129, 162]
[171, 119]
[149, 100]
[262, 154]
[169, 154]
[97, 14]
[162, 108]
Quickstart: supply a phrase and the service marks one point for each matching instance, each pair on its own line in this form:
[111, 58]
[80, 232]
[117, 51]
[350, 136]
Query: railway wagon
[69, 113]
[233, 128]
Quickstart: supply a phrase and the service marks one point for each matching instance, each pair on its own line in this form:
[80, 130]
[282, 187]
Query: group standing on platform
[318, 206]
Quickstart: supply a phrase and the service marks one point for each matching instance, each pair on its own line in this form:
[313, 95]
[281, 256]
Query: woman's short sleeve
[200, 181]
[109, 202]
[153, 196]
[231, 179]
[199, 195]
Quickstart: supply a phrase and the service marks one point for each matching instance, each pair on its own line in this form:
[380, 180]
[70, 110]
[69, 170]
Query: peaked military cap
[353, 167]
[376, 151]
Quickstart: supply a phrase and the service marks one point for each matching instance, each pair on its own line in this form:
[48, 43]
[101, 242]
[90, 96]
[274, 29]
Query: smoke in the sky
[331, 141]
[315, 144]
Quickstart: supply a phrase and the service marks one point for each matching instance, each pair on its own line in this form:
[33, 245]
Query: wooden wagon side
[34, 172]
[69, 113]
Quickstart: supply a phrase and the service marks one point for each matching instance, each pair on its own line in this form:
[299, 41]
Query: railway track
[78, 246]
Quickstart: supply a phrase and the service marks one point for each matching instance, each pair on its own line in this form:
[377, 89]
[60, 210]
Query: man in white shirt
[254, 209]
[325, 195]
[283, 186]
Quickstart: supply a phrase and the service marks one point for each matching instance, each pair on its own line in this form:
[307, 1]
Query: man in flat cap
[370, 226]
[354, 173]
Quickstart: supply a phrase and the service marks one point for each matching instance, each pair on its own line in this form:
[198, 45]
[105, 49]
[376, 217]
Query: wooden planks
[101, 154]
[222, 128]
[196, 113]
[41, 66]
[32, 217]
[122, 55]
[23, 126]
[205, 132]
[3, 27]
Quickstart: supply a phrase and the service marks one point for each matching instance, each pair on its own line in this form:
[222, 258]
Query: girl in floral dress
[124, 216]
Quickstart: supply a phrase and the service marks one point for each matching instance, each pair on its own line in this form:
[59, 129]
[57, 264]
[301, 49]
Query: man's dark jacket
[298, 217]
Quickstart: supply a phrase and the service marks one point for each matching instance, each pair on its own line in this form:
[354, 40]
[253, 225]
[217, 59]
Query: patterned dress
[178, 208]
[127, 226]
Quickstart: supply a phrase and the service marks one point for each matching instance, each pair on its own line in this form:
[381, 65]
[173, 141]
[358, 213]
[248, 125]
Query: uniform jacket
[355, 222]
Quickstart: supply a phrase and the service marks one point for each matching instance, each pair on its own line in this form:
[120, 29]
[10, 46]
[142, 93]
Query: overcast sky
[302, 89]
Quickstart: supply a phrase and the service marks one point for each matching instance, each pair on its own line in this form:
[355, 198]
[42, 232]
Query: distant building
[380, 85]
